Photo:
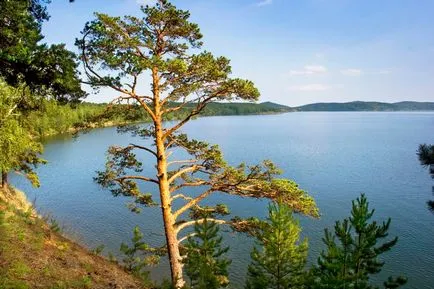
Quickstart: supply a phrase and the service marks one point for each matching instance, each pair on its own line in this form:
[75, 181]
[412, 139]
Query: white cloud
[146, 2]
[383, 72]
[311, 87]
[309, 70]
[264, 3]
[352, 72]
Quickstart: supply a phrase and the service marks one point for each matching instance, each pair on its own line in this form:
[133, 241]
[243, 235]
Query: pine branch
[182, 162]
[186, 237]
[91, 73]
[121, 179]
[200, 106]
[192, 203]
[181, 196]
[189, 184]
[144, 148]
[181, 226]
[183, 171]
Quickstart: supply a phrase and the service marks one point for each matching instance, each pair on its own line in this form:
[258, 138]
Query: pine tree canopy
[280, 260]
[353, 251]
[205, 262]
[426, 158]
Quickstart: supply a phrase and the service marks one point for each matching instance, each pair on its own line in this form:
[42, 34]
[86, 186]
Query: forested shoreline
[53, 117]
[368, 106]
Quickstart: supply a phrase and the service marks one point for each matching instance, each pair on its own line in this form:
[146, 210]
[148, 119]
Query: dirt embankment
[32, 255]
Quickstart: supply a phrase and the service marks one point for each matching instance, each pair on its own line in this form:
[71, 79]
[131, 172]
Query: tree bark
[165, 197]
[5, 184]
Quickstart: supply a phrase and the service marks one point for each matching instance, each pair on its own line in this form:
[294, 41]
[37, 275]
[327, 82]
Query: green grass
[33, 256]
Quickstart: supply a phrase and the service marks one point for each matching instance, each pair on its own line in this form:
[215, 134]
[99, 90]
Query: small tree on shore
[280, 261]
[353, 252]
[117, 53]
[138, 256]
[205, 261]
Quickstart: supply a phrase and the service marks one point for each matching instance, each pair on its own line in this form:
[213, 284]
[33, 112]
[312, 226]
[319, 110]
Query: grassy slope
[33, 256]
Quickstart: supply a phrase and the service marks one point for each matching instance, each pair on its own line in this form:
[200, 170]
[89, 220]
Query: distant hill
[244, 108]
[368, 106]
[276, 106]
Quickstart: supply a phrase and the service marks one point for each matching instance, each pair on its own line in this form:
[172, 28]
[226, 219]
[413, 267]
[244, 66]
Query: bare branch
[181, 196]
[144, 148]
[186, 237]
[189, 184]
[200, 106]
[145, 97]
[168, 154]
[184, 225]
[192, 203]
[183, 171]
[121, 179]
[195, 112]
[119, 99]
[182, 162]
[9, 113]
[170, 143]
[133, 87]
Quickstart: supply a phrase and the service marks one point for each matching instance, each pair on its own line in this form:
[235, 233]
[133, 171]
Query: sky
[297, 51]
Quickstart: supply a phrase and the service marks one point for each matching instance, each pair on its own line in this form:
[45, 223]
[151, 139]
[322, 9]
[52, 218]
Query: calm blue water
[334, 156]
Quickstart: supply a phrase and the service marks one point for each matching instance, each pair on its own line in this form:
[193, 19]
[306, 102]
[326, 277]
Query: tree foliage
[138, 256]
[426, 158]
[353, 251]
[19, 149]
[117, 52]
[46, 70]
[204, 262]
[29, 71]
[280, 261]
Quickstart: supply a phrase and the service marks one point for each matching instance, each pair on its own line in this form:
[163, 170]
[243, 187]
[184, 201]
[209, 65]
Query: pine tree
[426, 158]
[279, 264]
[353, 252]
[119, 53]
[139, 255]
[205, 263]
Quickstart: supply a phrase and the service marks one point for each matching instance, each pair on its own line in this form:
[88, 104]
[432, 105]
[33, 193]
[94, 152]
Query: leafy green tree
[426, 158]
[29, 69]
[204, 262]
[19, 149]
[280, 262]
[117, 53]
[47, 70]
[353, 252]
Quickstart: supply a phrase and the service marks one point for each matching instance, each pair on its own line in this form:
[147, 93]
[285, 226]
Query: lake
[335, 156]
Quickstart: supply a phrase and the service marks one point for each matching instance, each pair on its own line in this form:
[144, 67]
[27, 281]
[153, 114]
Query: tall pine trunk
[168, 218]
[165, 197]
